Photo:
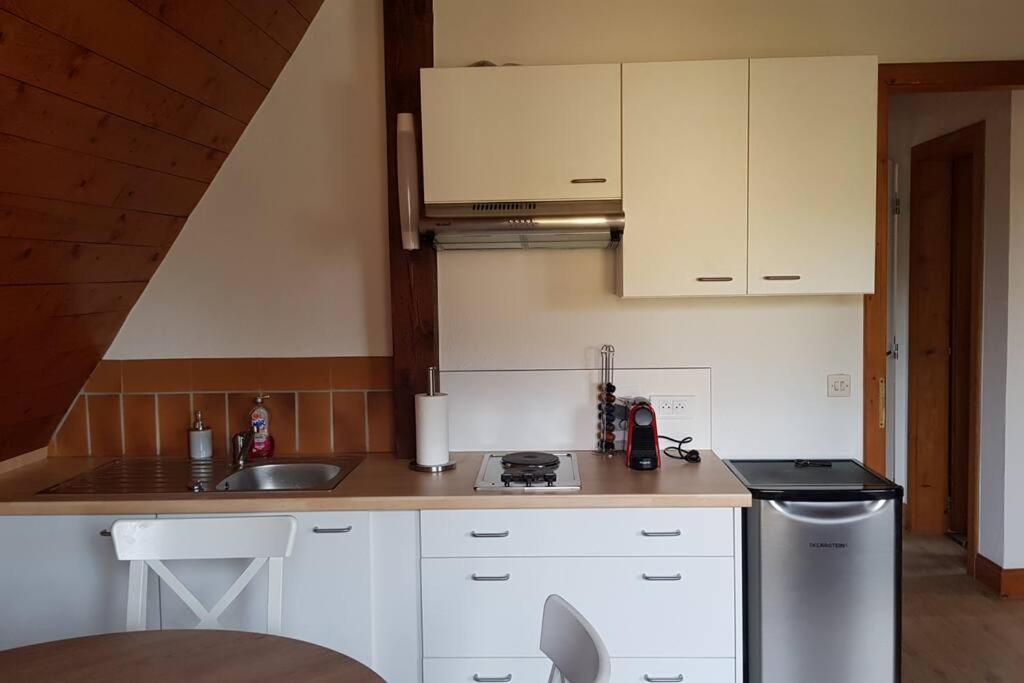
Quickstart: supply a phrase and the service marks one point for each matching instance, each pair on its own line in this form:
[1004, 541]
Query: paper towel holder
[432, 377]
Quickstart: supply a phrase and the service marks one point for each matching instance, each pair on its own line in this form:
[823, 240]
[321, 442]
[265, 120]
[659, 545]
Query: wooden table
[156, 656]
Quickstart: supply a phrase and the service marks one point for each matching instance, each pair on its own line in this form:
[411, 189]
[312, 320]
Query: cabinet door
[812, 175]
[326, 594]
[521, 133]
[684, 167]
[60, 578]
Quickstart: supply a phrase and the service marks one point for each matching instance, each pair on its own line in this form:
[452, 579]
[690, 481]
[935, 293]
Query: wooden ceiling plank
[32, 168]
[37, 403]
[224, 31]
[27, 436]
[276, 18]
[47, 61]
[42, 262]
[36, 114]
[135, 39]
[59, 335]
[35, 218]
[26, 304]
[307, 8]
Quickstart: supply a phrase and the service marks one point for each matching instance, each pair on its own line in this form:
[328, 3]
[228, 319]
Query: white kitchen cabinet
[812, 175]
[493, 670]
[684, 167]
[327, 586]
[641, 606]
[60, 578]
[521, 133]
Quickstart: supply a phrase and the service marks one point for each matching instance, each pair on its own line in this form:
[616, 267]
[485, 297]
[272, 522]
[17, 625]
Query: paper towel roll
[431, 429]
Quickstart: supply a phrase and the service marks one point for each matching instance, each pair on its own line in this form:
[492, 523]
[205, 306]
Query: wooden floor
[953, 628]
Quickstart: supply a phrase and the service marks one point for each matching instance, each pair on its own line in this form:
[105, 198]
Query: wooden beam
[408, 47]
[154, 50]
[277, 18]
[224, 31]
[952, 76]
[40, 58]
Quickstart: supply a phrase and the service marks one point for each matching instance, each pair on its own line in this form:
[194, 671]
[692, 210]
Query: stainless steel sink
[284, 476]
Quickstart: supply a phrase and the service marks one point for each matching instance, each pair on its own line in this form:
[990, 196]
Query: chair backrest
[146, 543]
[572, 644]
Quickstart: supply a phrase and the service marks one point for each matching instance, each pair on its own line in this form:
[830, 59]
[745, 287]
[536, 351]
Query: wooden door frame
[968, 141]
[917, 78]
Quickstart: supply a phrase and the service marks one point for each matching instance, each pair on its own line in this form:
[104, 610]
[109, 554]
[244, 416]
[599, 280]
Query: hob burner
[529, 460]
[528, 471]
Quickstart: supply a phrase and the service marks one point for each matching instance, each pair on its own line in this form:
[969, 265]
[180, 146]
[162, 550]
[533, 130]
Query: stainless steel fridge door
[822, 591]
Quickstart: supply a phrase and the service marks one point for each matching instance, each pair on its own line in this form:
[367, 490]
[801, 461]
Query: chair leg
[138, 579]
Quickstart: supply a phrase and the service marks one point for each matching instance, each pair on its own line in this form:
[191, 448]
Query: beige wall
[286, 255]
[578, 31]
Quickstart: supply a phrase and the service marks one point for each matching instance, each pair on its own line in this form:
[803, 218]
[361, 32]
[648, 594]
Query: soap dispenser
[200, 439]
[259, 421]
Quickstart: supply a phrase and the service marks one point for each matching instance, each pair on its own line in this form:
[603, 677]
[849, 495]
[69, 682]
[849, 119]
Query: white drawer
[491, 607]
[535, 670]
[674, 670]
[494, 670]
[578, 532]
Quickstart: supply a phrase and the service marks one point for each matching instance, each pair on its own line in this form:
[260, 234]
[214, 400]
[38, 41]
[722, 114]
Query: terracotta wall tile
[140, 424]
[156, 376]
[373, 372]
[105, 424]
[349, 422]
[380, 410]
[225, 374]
[214, 407]
[315, 423]
[175, 415]
[282, 422]
[239, 406]
[106, 378]
[283, 374]
[73, 437]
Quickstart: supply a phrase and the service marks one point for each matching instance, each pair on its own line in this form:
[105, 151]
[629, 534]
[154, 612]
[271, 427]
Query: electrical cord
[689, 455]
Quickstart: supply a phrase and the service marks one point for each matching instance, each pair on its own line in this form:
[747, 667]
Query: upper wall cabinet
[521, 133]
[684, 160]
[812, 175]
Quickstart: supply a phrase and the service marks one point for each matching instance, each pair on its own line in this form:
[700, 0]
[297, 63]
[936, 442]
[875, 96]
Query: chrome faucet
[241, 447]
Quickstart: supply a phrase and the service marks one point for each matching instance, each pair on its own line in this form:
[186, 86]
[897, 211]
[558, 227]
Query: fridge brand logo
[832, 546]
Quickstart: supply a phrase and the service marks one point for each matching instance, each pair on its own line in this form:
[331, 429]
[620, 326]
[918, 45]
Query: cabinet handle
[587, 181]
[489, 534]
[492, 679]
[777, 278]
[667, 577]
[502, 577]
[723, 278]
[658, 534]
[663, 679]
[106, 533]
[332, 530]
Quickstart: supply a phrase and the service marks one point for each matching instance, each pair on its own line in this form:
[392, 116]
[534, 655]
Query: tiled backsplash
[317, 405]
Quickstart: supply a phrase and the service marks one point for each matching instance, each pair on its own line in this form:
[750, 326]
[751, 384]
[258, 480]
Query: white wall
[286, 254]
[581, 31]
[1014, 514]
[914, 119]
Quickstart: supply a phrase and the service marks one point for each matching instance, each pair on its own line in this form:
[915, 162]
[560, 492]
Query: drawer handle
[492, 679]
[714, 279]
[489, 534]
[660, 534]
[106, 533]
[332, 530]
[666, 577]
[663, 679]
[502, 577]
[587, 181]
[777, 278]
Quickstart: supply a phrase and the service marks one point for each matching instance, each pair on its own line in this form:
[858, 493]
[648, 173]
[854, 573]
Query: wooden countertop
[382, 482]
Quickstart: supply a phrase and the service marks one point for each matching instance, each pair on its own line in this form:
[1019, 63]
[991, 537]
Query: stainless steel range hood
[524, 225]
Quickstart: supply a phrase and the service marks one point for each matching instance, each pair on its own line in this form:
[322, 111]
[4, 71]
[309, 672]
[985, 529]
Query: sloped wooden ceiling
[115, 115]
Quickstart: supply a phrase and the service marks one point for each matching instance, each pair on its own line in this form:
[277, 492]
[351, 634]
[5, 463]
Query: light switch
[838, 386]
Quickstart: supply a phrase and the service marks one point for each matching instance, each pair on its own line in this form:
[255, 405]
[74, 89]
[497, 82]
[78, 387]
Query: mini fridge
[821, 572]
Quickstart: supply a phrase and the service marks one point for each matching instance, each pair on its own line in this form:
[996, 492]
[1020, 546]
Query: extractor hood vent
[504, 207]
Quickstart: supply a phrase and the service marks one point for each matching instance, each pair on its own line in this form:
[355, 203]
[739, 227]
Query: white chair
[146, 543]
[576, 651]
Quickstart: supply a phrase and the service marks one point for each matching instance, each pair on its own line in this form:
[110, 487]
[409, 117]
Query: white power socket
[673, 407]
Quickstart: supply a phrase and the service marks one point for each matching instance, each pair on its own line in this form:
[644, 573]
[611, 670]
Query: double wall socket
[670, 407]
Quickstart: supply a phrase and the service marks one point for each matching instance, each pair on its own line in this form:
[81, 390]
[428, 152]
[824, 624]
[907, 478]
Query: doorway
[946, 229]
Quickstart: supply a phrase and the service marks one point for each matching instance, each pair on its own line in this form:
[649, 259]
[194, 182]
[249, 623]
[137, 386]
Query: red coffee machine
[642, 451]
